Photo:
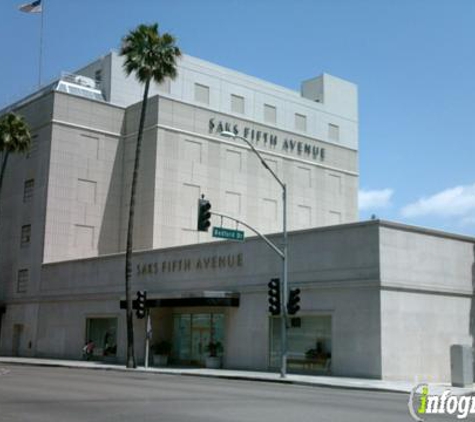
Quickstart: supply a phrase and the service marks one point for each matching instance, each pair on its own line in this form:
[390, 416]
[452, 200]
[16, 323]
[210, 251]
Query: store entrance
[192, 334]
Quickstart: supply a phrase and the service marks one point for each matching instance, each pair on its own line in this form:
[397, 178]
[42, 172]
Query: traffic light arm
[228, 134]
[271, 245]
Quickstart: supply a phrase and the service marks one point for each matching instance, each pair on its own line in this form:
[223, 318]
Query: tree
[14, 138]
[150, 57]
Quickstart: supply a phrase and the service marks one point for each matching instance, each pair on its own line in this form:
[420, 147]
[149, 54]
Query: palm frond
[14, 134]
[149, 55]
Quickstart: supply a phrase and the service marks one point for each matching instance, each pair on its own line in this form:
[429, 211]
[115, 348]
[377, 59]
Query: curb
[292, 382]
[184, 372]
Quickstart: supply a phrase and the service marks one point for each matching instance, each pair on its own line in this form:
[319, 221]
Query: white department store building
[63, 213]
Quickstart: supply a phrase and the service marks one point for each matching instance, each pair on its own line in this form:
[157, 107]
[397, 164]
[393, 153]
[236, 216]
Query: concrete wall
[145, 206]
[336, 268]
[85, 171]
[417, 332]
[84, 181]
[427, 283]
[104, 65]
[339, 105]
[15, 212]
[192, 161]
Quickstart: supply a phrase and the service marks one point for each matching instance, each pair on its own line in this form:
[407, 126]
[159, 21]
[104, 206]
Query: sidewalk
[308, 380]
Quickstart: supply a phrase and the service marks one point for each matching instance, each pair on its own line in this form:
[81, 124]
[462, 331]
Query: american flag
[33, 7]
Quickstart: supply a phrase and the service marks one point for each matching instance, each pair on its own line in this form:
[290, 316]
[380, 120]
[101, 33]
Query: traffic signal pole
[284, 284]
[283, 253]
[148, 327]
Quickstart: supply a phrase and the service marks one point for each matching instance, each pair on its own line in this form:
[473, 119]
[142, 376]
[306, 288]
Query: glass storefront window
[309, 343]
[103, 333]
[191, 335]
[181, 338]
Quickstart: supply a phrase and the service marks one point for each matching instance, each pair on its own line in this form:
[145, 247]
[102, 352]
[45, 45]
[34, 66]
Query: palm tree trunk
[130, 234]
[2, 170]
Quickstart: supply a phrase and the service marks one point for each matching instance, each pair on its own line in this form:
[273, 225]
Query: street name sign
[228, 233]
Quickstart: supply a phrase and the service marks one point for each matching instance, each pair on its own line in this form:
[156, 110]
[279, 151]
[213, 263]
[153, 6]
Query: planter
[110, 359]
[213, 362]
[160, 360]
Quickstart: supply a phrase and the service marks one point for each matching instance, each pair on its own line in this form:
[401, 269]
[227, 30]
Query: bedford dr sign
[268, 140]
[230, 234]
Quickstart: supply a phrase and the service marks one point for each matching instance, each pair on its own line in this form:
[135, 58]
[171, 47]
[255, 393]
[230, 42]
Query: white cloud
[454, 202]
[370, 199]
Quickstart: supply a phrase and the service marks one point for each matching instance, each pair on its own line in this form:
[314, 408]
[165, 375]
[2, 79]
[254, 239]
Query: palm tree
[150, 57]
[14, 138]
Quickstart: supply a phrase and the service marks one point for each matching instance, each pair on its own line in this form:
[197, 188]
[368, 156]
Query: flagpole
[40, 64]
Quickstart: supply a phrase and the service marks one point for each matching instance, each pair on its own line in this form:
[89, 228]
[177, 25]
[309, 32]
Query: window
[334, 217]
[269, 218]
[89, 145]
[33, 151]
[309, 343]
[165, 86]
[333, 132]
[98, 77]
[103, 333]
[28, 190]
[22, 281]
[25, 236]
[233, 161]
[300, 122]
[86, 191]
[193, 152]
[189, 198]
[304, 217]
[233, 203]
[237, 104]
[202, 93]
[303, 177]
[270, 113]
[84, 237]
[334, 184]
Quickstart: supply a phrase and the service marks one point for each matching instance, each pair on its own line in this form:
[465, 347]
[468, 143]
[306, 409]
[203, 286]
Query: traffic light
[274, 296]
[141, 304]
[293, 303]
[204, 215]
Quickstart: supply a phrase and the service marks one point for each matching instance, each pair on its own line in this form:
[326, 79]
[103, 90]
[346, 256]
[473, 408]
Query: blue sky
[413, 62]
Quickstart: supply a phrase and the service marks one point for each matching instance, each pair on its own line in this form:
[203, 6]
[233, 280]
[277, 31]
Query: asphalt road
[41, 394]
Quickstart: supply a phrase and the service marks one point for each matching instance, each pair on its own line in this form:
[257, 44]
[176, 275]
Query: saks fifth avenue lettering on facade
[189, 264]
[268, 140]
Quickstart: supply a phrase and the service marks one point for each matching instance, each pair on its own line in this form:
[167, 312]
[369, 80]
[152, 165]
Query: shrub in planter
[161, 351]
[214, 349]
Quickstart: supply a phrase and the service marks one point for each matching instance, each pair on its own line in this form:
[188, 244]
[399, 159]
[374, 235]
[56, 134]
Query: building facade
[369, 290]
[69, 197]
[85, 146]
[379, 300]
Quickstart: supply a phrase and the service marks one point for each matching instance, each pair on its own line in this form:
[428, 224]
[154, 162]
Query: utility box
[461, 365]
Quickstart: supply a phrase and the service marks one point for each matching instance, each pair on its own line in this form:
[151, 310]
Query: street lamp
[283, 295]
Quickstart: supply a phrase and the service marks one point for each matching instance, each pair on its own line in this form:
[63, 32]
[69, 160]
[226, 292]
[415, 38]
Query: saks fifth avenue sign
[268, 140]
[213, 262]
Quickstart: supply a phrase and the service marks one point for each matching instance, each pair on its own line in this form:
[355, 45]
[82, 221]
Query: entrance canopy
[204, 298]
